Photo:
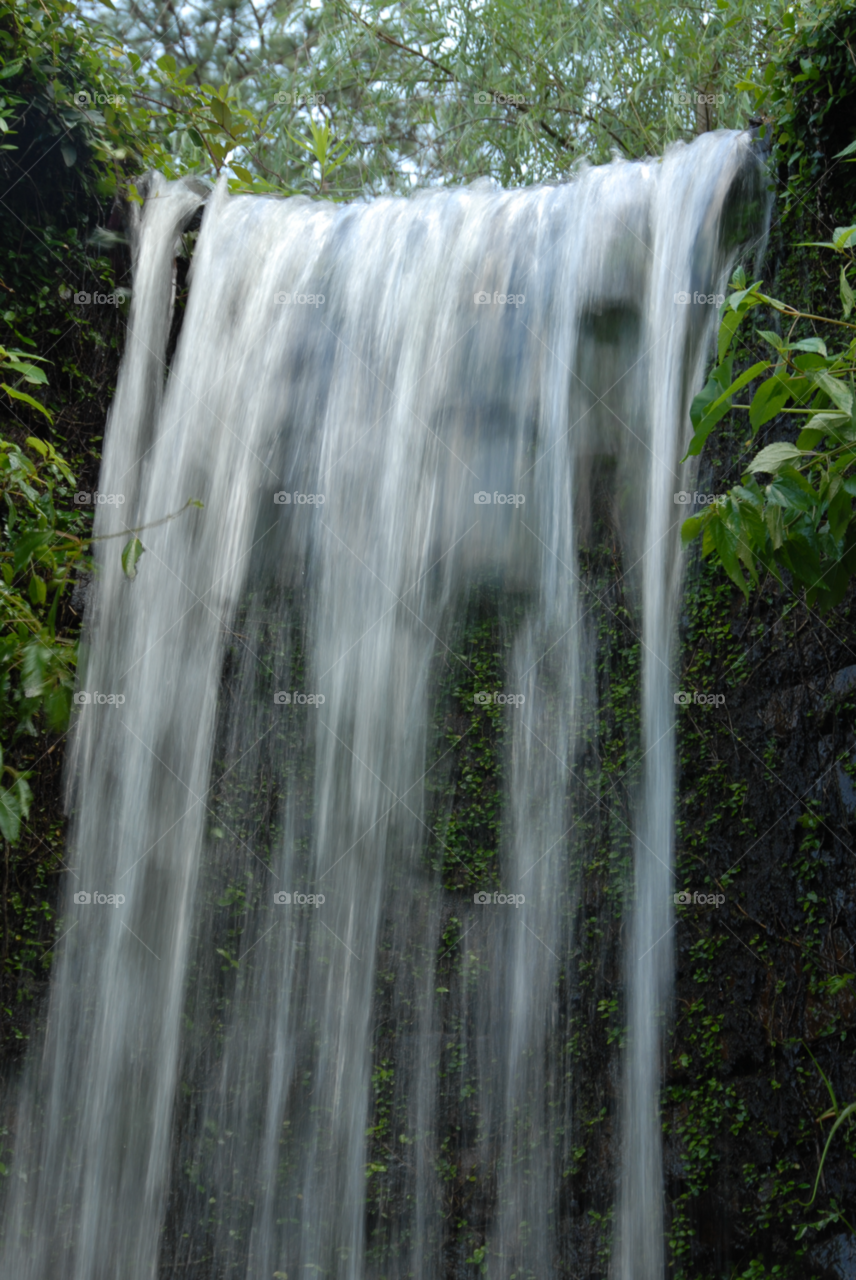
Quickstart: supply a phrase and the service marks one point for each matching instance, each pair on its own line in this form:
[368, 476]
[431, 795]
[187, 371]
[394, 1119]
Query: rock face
[765, 1004]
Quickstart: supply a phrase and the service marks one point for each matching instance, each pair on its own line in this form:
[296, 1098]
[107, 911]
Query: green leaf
[775, 522]
[241, 172]
[843, 237]
[692, 527]
[712, 403]
[810, 344]
[130, 555]
[167, 64]
[846, 294]
[774, 456]
[727, 329]
[14, 808]
[839, 513]
[38, 591]
[769, 400]
[838, 391]
[726, 542]
[28, 545]
[22, 395]
[774, 339]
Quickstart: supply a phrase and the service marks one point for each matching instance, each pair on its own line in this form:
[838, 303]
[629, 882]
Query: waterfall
[390, 411]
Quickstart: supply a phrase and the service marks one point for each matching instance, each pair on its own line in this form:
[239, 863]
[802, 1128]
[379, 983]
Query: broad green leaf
[775, 522]
[843, 237]
[839, 513]
[14, 808]
[771, 458]
[727, 329]
[769, 400]
[725, 541]
[37, 590]
[130, 555]
[838, 391]
[810, 344]
[708, 408]
[241, 172]
[846, 294]
[692, 527]
[28, 545]
[22, 395]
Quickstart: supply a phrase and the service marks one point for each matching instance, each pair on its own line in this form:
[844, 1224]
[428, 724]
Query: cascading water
[354, 393]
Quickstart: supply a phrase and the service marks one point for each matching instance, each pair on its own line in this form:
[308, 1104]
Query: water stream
[390, 411]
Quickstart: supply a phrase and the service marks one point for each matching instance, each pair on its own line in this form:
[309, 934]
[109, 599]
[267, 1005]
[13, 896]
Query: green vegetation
[337, 102]
[802, 521]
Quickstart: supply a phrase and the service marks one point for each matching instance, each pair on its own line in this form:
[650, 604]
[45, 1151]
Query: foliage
[840, 1115]
[42, 549]
[802, 521]
[805, 94]
[441, 91]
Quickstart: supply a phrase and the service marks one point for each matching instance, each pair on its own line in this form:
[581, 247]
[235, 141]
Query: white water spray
[385, 409]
